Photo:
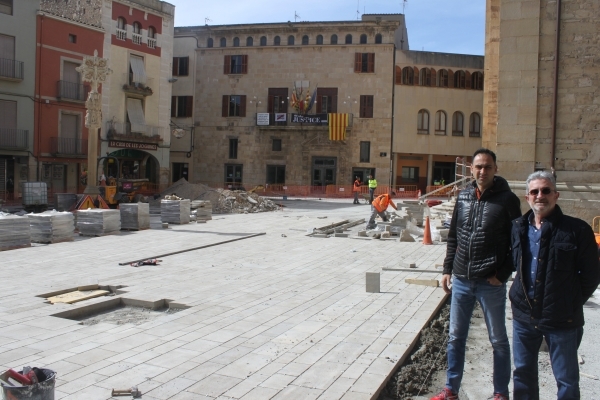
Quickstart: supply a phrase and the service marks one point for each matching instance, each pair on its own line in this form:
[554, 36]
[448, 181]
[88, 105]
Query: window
[137, 28]
[249, 41]
[408, 76]
[137, 70]
[291, 40]
[276, 174]
[8, 114]
[182, 106]
[136, 36]
[236, 64]
[475, 125]
[366, 106]
[442, 78]
[223, 42]
[423, 122]
[70, 86]
[327, 100]
[233, 175]
[236, 42]
[348, 39]
[305, 39]
[121, 23]
[334, 39]
[425, 77]
[364, 62]
[181, 66]
[276, 41]
[365, 151]
[6, 7]
[459, 79]
[72, 38]
[410, 174]
[69, 134]
[209, 42]
[363, 39]
[263, 40]
[151, 32]
[121, 28]
[233, 148]
[457, 124]
[276, 145]
[440, 123]
[319, 39]
[234, 106]
[477, 81]
[378, 38]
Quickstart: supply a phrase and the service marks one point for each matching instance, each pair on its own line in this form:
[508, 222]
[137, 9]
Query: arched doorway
[132, 165]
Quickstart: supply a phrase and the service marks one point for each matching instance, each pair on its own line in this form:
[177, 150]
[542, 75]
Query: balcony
[136, 38]
[121, 34]
[72, 91]
[139, 88]
[68, 146]
[295, 121]
[135, 132]
[152, 43]
[13, 139]
[11, 70]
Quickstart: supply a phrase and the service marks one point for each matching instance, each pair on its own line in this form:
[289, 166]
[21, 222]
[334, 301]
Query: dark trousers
[355, 197]
[371, 194]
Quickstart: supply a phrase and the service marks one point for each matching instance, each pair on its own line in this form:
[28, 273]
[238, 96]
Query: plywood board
[426, 282]
[74, 297]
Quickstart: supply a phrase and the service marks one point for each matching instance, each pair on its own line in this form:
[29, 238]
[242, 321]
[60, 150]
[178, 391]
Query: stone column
[429, 169]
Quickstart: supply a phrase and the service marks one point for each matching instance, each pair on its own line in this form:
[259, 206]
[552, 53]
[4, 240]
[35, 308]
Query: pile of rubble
[222, 200]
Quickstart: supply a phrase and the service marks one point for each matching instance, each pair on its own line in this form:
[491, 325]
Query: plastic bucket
[40, 391]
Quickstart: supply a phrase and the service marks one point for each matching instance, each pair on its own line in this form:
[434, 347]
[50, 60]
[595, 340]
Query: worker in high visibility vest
[372, 187]
[380, 205]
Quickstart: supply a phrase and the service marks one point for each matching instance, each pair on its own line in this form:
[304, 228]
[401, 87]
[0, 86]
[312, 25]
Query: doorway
[180, 170]
[323, 172]
[233, 176]
[363, 174]
[443, 172]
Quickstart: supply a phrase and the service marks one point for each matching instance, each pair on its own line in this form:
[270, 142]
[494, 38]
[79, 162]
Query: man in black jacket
[557, 271]
[478, 258]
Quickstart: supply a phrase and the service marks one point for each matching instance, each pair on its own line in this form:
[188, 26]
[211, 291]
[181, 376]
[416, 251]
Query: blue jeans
[493, 304]
[562, 345]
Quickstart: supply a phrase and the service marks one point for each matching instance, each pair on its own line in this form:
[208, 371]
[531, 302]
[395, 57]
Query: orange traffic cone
[427, 233]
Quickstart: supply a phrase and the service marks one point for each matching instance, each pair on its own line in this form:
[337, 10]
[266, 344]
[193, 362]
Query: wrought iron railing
[72, 91]
[123, 131]
[69, 146]
[13, 138]
[11, 68]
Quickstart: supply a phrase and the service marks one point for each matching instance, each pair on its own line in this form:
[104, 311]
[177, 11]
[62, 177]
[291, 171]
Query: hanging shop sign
[132, 145]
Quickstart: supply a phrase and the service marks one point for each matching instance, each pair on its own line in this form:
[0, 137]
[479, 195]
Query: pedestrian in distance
[478, 263]
[356, 189]
[379, 207]
[556, 258]
[372, 187]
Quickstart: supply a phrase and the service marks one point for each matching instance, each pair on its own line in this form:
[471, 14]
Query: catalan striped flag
[337, 126]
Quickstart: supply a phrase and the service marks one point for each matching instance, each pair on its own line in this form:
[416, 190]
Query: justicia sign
[310, 119]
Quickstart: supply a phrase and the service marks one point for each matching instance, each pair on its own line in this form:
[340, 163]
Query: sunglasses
[545, 191]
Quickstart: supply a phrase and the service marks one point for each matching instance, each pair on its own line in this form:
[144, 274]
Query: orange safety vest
[382, 202]
[356, 186]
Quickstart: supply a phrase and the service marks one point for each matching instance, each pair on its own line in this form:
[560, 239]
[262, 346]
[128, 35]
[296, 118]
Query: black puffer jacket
[567, 273]
[479, 236]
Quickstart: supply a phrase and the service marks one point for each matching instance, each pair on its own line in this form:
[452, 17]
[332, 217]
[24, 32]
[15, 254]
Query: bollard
[373, 282]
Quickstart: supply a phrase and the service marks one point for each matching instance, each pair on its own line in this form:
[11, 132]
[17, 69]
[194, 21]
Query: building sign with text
[132, 145]
[315, 119]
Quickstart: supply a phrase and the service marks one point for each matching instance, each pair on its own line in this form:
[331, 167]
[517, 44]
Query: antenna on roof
[358, 10]
[296, 16]
[404, 5]
[207, 20]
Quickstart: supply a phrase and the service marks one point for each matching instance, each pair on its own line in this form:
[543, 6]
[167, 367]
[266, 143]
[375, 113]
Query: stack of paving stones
[98, 222]
[175, 211]
[414, 210]
[202, 210]
[135, 216]
[51, 227]
[15, 232]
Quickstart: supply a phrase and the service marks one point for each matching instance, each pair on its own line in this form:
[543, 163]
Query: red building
[60, 137]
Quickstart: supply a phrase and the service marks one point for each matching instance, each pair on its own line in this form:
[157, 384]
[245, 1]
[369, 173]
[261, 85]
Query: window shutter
[334, 99]
[189, 106]
[225, 107]
[467, 80]
[371, 62]
[450, 78]
[357, 62]
[175, 71]
[243, 106]
[428, 77]
[416, 76]
[270, 104]
[433, 80]
[244, 64]
[173, 106]
[398, 75]
[227, 65]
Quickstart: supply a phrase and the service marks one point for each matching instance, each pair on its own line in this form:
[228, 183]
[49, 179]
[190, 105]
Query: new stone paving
[281, 315]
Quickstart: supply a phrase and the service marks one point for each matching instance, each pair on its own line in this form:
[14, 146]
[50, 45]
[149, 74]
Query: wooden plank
[73, 297]
[426, 282]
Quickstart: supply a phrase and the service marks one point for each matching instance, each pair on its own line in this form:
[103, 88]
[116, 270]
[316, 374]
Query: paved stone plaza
[281, 315]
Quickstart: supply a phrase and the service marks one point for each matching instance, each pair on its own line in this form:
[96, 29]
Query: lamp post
[256, 103]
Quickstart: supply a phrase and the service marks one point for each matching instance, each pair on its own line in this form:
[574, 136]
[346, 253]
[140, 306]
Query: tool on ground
[26, 378]
[150, 261]
[427, 233]
[133, 391]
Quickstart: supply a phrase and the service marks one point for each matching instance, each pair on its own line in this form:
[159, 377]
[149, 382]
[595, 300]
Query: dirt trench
[414, 377]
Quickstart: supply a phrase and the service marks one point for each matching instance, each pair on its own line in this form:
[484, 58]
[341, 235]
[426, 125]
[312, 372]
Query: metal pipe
[555, 91]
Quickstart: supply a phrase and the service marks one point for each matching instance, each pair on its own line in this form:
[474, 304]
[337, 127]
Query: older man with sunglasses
[557, 271]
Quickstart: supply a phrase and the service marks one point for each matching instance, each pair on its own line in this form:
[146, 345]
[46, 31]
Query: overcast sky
[449, 26]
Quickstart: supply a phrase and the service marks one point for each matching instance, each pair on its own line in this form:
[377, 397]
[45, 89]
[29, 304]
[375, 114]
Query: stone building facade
[541, 105]
[244, 77]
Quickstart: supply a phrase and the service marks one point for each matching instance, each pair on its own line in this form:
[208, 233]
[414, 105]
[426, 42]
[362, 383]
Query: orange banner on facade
[337, 126]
